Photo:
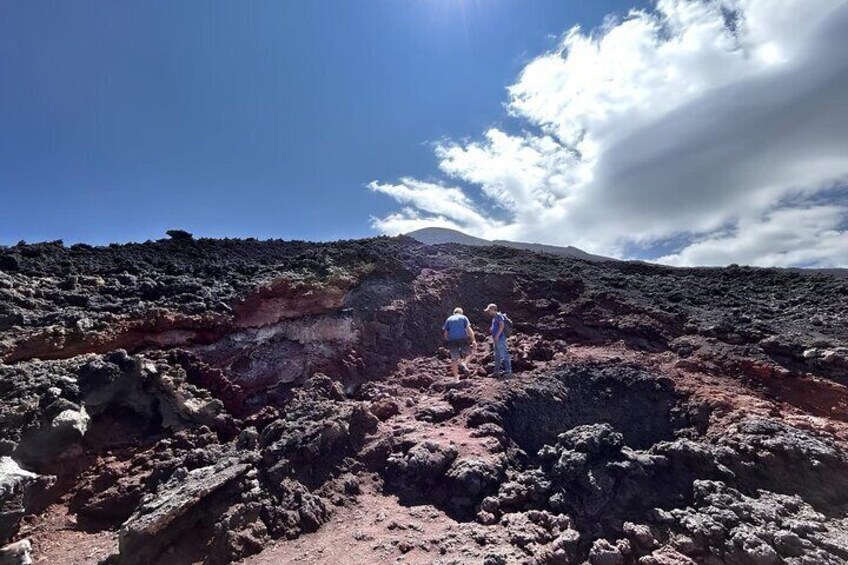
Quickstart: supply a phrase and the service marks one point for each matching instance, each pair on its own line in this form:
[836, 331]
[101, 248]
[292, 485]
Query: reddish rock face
[195, 400]
[286, 299]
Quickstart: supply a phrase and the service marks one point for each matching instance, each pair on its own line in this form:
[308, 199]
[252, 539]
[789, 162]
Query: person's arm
[445, 331]
[470, 333]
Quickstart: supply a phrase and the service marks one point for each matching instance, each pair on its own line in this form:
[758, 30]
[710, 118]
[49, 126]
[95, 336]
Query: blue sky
[688, 132]
[122, 119]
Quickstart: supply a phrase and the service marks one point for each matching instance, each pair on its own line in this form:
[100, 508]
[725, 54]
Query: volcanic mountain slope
[210, 401]
[439, 236]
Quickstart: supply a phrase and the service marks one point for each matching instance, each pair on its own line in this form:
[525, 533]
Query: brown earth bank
[217, 401]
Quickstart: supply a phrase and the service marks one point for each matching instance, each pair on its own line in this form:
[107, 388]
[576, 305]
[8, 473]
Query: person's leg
[466, 356]
[502, 356]
[454, 356]
[507, 363]
[497, 354]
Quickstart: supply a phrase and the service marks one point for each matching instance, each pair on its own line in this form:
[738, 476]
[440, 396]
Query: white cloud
[695, 116]
[445, 206]
[794, 236]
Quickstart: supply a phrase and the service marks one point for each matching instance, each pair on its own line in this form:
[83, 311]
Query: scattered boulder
[666, 556]
[765, 453]
[470, 479]
[9, 263]
[17, 553]
[385, 408]
[418, 474]
[17, 490]
[727, 525]
[605, 553]
[179, 235]
[187, 498]
[54, 436]
[435, 411]
[314, 436]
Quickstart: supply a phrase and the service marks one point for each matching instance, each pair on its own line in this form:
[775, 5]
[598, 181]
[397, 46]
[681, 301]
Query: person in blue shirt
[502, 361]
[460, 338]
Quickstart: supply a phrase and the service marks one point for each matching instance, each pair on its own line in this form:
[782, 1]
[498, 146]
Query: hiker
[499, 335]
[458, 334]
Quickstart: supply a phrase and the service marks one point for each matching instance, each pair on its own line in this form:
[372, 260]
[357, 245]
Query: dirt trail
[378, 528]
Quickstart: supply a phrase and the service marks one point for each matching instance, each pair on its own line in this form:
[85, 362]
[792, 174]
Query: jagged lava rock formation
[211, 401]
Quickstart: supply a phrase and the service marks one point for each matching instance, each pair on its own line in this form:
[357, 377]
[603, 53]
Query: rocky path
[379, 528]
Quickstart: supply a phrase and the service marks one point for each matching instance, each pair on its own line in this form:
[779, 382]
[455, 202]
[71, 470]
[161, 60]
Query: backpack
[507, 325]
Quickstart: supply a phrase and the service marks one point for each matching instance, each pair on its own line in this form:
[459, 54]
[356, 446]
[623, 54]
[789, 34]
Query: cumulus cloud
[793, 236]
[720, 123]
[444, 206]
